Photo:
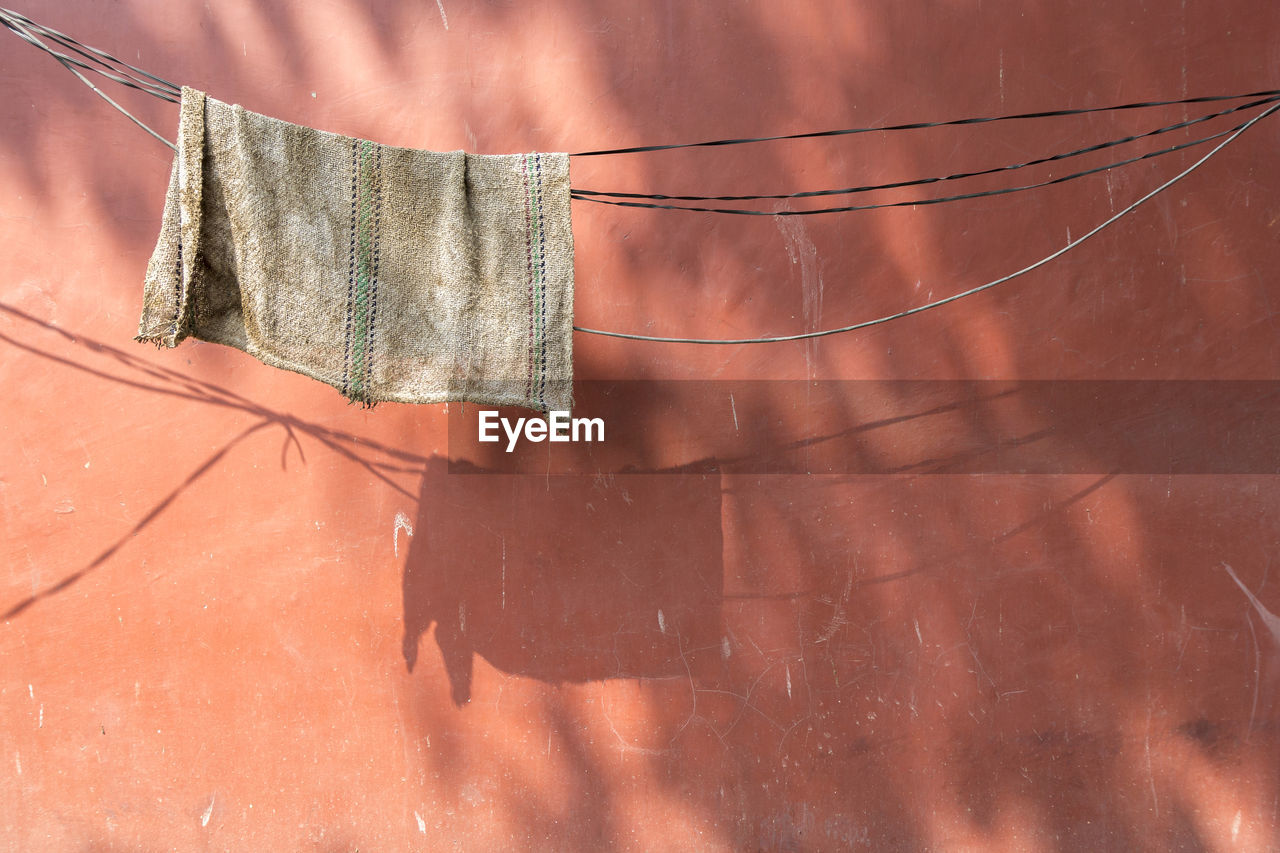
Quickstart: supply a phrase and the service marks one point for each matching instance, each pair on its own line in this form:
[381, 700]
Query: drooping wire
[25, 28]
[27, 36]
[971, 291]
[100, 54]
[27, 31]
[15, 23]
[158, 85]
[583, 194]
[922, 125]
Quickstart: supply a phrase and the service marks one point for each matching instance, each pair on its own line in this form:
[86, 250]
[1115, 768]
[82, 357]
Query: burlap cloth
[388, 273]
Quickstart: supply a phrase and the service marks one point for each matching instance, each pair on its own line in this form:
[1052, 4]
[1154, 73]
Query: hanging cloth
[388, 273]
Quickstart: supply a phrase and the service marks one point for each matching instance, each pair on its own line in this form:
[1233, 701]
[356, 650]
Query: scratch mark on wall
[1185, 51]
[17, 761]
[982, 671]
[1151, 778]
[402, 523]
[734, 410]
[422, 824]
[838, 617]
[662, 622]
[1269, 619]
[208, 813]
[693, 693]
[802, 251]
[443, 17]
[1001, 76]
[1257, 676]
[623, 746]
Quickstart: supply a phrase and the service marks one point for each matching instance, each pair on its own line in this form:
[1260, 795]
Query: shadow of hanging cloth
[564, 579]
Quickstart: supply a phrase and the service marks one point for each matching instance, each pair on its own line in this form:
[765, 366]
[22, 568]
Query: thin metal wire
[20, 25]
[69, 42]
[918, 202]
[971, 291]
[28, 30]
[17, 27]
[954, 177]
[26, 35]
[921, 125]
[106, 98]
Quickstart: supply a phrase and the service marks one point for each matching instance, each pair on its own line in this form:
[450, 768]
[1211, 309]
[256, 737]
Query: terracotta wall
[942, 584]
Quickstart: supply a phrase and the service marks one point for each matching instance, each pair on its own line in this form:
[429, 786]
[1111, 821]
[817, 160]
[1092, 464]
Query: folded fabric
[388, 273]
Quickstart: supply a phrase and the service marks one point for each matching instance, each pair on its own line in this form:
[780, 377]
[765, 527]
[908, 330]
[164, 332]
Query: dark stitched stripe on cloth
[536, 263]
[362, 276]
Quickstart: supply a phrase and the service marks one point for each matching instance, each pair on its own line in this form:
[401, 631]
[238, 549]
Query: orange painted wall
[943, 584]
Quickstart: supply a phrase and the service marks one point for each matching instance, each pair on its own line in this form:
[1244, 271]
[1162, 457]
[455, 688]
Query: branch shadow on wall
[620, 572]
[106, 363]
[639, 589]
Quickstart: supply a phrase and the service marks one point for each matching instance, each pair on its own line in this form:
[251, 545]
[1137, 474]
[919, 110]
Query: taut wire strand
[953, 177]
[915, 202]
[926, 124]
[15, 23]
[970, 292]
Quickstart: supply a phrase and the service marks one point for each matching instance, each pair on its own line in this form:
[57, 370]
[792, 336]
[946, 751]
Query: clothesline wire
[582, 193]
[15, 23]
[100, 54]
[127, 114]
[919, 202]
[26, 29]
[958, 296]
[27, 36]
[922, 125]
[23, 27]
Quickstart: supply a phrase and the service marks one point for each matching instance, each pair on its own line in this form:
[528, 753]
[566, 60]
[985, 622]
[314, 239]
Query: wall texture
[994, 577]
